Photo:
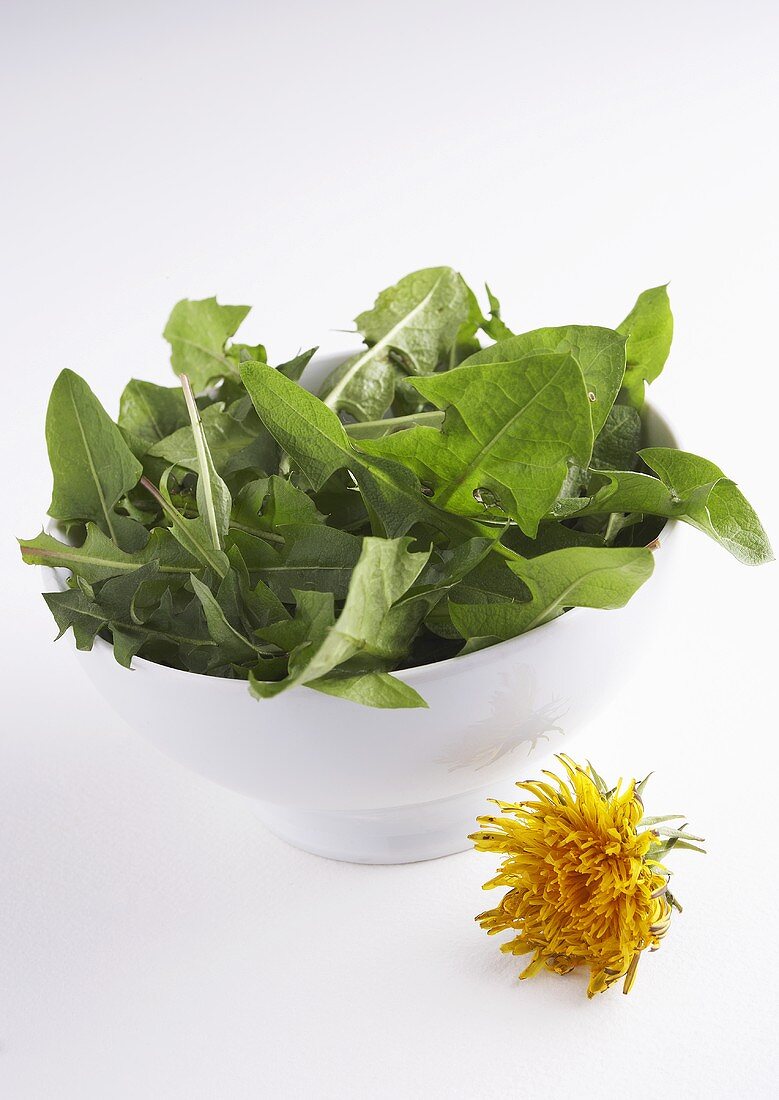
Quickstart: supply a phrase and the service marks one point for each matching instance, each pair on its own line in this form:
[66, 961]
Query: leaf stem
[506, 552]
[266, 536]
[202, 461]
[368, 429]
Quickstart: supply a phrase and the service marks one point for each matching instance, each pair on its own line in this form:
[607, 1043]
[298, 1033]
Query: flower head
[582, 864]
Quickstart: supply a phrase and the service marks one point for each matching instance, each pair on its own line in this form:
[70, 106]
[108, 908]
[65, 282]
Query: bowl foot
[398, 834]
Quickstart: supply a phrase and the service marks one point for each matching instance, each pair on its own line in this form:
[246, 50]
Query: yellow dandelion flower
[585, 883]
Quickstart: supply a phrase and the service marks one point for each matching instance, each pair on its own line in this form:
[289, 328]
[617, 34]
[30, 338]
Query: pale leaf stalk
[204, 462]
[368, 429]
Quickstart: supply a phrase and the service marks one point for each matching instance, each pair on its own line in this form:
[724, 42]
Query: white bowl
[382, 786]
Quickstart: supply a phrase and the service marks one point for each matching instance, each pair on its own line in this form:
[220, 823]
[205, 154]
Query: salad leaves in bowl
[390, 540]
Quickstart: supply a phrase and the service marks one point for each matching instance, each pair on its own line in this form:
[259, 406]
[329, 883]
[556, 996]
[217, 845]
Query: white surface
[155, 941]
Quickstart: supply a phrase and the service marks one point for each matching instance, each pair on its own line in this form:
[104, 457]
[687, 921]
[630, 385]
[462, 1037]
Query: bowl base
[398, 834]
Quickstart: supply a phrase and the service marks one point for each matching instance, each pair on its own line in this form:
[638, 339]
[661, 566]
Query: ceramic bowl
[382, 786]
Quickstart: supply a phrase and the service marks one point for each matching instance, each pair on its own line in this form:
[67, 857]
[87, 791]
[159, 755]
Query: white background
[155, 941]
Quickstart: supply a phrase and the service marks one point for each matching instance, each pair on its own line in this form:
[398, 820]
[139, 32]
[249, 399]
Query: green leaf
[98, 558]
[620, 437]
[448, 567]
[577, 577]
[309, 432]
[466, 343]
[75, 609]
[235, 436]
[213, 496]
[394, 498]
[363, 386]
[314, 616]
[726, 515]
[293, 369]
[232, 644]
[413, 323]
[509, 433]
[649, 328]
[688, 488]
[177, 633]
[149, 412]
[193, 534]
[244, 353]
[92, 465]
[341, 502]
[112, 606]
[406, 401]
[197, 332]
[451, 572]
[312, 556]
[364, 626]
[117, 596]
[269, 503]
[600, 353]
[248, 605]
[489, 582]
[550, 536]
[418, 317]
[314, 438]
[494, 326]
[126, 645]
[371, 689]
[377, 429]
